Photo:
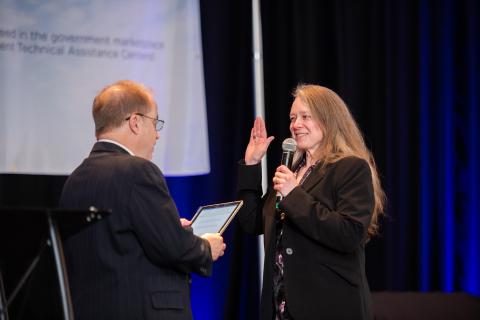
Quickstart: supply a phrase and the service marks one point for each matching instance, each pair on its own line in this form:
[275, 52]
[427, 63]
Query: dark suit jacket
[323, 239]
[134, 264]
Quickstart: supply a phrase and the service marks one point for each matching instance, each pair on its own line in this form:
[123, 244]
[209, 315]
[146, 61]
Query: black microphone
[289, 146]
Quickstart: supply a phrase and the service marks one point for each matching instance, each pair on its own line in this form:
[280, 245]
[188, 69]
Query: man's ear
[134, 124]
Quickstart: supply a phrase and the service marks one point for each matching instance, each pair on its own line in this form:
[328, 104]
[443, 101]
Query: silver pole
[259, 101]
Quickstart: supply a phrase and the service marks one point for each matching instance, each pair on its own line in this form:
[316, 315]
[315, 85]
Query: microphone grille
[289, 145]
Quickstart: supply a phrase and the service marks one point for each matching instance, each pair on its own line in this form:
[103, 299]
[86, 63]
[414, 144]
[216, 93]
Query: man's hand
[216, 244]
[185, 222]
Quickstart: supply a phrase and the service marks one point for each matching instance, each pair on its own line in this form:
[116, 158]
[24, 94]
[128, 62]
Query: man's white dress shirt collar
[118, 144]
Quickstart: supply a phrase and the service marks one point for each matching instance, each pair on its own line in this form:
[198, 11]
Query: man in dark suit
[135, 263]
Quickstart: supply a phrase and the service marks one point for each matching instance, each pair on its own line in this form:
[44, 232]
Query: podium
[28, 237]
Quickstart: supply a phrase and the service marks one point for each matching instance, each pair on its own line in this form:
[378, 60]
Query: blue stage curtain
[409, 72]
[449, 146]
[233, 290]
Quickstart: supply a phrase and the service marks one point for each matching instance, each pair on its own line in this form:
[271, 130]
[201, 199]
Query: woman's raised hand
[258, 144]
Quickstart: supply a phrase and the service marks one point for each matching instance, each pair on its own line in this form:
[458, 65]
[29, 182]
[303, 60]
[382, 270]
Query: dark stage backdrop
[409, 71]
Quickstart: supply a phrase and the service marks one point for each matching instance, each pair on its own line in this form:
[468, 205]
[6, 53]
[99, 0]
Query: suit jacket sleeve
[249, 190]
[341, 223]
[156, 222]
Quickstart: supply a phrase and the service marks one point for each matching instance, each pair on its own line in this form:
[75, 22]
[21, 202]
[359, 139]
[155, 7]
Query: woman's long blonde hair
[342, 137]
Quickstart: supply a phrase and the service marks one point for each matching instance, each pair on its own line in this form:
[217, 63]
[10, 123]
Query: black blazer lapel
[314, 178]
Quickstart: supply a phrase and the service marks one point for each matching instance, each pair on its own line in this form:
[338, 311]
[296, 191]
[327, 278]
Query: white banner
[56, 55]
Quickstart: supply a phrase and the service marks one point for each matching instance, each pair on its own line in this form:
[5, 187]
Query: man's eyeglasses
[158, 123]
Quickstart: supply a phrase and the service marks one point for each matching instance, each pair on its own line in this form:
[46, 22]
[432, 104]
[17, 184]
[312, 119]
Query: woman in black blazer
[315, 236]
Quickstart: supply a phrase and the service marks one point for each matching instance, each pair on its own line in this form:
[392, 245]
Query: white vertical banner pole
[259, 102]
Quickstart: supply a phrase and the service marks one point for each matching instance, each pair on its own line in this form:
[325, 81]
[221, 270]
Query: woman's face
[304, 128]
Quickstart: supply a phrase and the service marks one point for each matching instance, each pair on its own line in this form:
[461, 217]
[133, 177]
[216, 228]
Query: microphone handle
[287, 158]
